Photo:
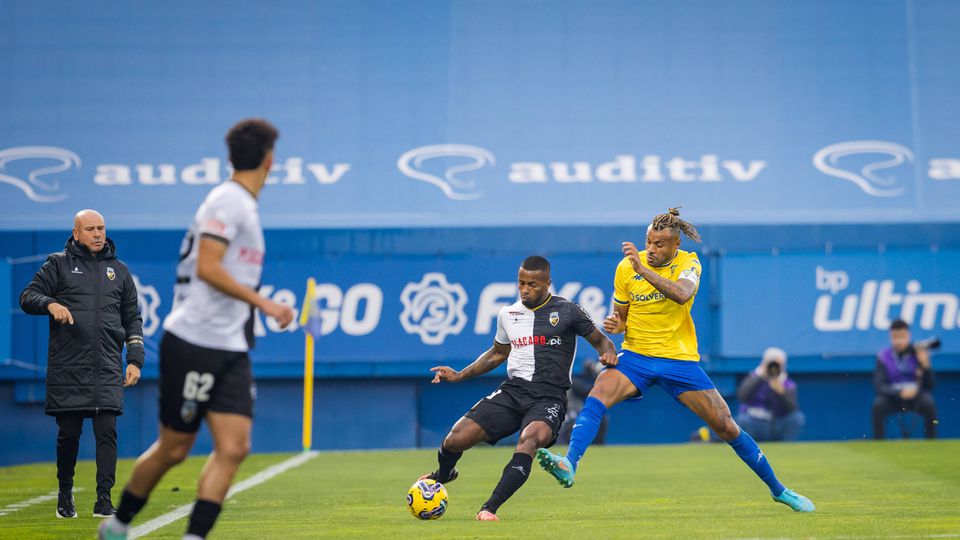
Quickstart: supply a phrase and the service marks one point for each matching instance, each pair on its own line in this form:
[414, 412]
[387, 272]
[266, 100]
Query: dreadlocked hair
[671, 220]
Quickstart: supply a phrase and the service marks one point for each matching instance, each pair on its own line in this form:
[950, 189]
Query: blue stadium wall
[428, 146]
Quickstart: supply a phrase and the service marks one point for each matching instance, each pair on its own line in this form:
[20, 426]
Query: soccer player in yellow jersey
[653, 294]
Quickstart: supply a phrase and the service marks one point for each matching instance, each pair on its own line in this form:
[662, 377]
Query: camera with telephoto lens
[773, 370]
[931, 343]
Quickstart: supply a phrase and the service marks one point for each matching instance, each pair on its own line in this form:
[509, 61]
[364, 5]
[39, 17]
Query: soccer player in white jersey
[204, 367]
[537, 337]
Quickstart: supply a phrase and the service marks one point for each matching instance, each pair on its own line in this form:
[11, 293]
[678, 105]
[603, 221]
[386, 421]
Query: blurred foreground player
[204, 368]
[537, 336]
[653, 295]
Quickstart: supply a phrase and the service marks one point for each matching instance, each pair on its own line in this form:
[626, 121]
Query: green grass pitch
[896, 489]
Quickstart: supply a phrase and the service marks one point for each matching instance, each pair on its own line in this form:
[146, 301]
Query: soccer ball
[427, 499]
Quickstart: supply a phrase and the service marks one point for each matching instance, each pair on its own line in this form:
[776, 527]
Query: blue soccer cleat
[558, 466]
[794, 500]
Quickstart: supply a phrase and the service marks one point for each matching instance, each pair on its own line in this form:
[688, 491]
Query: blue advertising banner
[397, 309]
[440, 113]
[836, 305]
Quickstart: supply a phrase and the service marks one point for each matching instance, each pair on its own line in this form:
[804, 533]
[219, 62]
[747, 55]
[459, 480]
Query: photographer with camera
[903, 380]
[768, 400]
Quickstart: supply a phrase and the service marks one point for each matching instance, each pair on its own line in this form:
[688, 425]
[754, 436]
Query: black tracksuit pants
[68, 446]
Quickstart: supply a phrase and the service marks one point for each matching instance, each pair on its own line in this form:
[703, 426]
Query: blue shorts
[674, 376]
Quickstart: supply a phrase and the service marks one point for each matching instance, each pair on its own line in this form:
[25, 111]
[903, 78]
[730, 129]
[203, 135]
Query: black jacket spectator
[84, 366]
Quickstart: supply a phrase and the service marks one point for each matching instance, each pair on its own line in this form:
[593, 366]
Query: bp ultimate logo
[878, 303]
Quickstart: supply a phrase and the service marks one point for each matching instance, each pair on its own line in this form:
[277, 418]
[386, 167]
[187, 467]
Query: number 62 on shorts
[196, 386]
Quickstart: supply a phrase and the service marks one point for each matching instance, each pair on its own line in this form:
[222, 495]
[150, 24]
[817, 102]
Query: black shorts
[512, 406]
[194, 380]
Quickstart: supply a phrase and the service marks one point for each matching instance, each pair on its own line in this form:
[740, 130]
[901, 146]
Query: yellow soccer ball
[427, 499]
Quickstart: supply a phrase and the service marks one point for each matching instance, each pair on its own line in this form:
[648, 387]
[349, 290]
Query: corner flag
[311, 323]
[310, 319]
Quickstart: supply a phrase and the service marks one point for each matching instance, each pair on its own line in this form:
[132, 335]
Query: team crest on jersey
[554, 318]
[111, 275]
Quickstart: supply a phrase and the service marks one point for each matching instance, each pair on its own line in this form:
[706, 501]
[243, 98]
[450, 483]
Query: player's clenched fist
[444, 373]
[613, 324]
[608, 359]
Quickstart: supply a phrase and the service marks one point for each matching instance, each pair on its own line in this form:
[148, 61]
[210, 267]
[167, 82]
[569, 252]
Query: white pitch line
[255, 480]
[13, 507]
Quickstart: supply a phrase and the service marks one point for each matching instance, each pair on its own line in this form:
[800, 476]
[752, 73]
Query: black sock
[514, 475]
[447, 460]
[130, 504]
[66, 487]
[203, 517]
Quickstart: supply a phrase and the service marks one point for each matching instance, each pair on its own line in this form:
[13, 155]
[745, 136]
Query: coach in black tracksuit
[91, 300]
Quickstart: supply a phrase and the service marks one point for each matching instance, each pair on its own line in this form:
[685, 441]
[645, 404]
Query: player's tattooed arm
[490, 359]
[680, 291]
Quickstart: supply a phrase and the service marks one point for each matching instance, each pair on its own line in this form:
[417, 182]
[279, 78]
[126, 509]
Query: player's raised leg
[171, 448]
[231, 444]
[712, 409]
[464, 435]
[611, 388]
[536, 435]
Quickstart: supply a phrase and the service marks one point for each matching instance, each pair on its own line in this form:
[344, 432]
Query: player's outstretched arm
[605, 347]
[210, 269]
[491, 358]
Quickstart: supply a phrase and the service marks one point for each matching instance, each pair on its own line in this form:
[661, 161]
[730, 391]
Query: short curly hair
[249, 141]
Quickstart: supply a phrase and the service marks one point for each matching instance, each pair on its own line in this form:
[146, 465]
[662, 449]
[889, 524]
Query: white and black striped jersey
[201, 314]
[543, 340]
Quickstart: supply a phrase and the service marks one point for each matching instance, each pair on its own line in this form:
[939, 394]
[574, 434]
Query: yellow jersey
[656, 325]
